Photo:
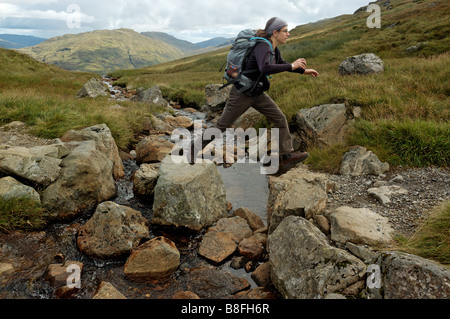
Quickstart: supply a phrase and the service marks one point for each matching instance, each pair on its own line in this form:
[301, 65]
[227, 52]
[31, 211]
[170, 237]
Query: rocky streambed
[299, 235]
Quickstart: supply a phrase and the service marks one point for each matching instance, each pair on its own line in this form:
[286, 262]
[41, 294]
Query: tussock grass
[432, 239]
[410, 143]
[20, 213]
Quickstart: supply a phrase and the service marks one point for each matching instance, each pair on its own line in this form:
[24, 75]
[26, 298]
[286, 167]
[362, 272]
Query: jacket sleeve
[278, 64]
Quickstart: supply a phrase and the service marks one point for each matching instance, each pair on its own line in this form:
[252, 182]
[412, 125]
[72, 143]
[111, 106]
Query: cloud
[199, 19]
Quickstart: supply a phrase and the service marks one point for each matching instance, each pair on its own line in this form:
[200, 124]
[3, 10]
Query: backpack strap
[263, 39]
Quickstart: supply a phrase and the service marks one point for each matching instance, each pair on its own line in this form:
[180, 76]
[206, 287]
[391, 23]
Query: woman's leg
[265, 105]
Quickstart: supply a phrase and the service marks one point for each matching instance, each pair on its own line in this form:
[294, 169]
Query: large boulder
[87, 173]
[303, 265]
[360, 226]
[152, 95]
[406, 276]
[93, 88]
[191, 196]
[113, 231]
[39, 165]
[324, 125]
[299, 192]
[86, 180]
[362, 64]
[104, 142]
[11, 188]
[358, 161]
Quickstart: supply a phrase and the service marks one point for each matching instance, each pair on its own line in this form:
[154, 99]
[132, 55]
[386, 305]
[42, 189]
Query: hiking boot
[293, 158]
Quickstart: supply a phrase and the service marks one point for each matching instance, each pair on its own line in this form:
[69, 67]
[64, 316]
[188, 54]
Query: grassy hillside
[405, 113]
[103, 51]
[43, 96]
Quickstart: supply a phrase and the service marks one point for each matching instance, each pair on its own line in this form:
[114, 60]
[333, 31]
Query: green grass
[432, 239]
[20, 213]
[409, 143]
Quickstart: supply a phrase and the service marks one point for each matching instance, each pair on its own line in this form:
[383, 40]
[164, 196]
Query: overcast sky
[192, 20]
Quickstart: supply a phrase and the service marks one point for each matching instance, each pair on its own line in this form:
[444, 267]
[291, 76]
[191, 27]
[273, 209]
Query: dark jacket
[260, 59]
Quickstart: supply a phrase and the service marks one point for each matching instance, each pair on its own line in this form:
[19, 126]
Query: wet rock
[359, 161]
[113, 231]
[361, 64]
[360, 226]
[153, 149]
[236, 226]
[406, 276]
[261, 275]
[305, 266]
[145, 179]
[324, 125]
[209, 282]
[185, 295]
[93, 88]
[217, 246]
[254, 221]
[58, 274]
[384, 193]
[157, 259]
[11, 188]
[25, 257]
[108, 291]
[251, 248]
[238, 262]
[152, 95]
[299, 192]
[191, 196]
[256, 293]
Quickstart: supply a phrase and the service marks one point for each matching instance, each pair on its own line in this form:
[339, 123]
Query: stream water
[31, 253]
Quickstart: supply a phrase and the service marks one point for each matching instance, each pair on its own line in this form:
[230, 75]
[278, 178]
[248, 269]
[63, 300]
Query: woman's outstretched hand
[311, 72]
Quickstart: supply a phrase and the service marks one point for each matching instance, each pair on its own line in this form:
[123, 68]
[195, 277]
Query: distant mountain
[182, 45]
[215, 42]
[103, 51]
[14, 41]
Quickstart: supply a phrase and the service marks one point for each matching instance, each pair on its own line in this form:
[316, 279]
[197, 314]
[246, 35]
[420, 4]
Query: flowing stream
[31, 253]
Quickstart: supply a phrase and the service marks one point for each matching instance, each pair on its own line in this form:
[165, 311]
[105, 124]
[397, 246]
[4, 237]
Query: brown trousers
[239, 103]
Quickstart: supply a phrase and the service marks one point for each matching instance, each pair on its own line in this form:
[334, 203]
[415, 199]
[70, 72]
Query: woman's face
[282, 35]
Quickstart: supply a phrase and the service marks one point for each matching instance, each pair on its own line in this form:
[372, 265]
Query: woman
[276, 31]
